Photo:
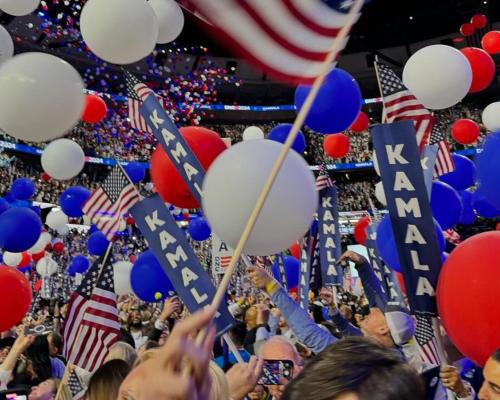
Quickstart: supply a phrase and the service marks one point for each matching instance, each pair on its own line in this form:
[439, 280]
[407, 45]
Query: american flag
[75, 387]
[290, 39]
[138, 92]
[108, 205]
[91, 326]
[323, 180]
[444, 160]
[427, 341]
[225, 261]
[400, 104]
[263, 262]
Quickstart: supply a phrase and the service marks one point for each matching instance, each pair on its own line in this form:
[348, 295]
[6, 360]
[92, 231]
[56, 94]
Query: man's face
[374, 324]
[53, 350]
[491, 386]
[44, 391]
[135, 316]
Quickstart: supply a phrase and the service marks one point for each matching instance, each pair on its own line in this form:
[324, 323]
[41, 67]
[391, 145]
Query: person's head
[251, 317]
[356, 368]
[46, 390]
[106, 380]
[39, 367]
[346, 312]
[238, 333]
[135, 317]
[55, 343]
[491, 372]
[219, 388]
[280, 348]
[122, 351]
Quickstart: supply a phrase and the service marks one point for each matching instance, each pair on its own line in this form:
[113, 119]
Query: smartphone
[14, 394]
[274, 371]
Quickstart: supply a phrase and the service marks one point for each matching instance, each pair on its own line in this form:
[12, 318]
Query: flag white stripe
[91, 201]
[110, 337]
[94, 352]
[405, 103]
[88, 346]
[102, 306]
[96, 319]
[322, 14]
[77, 344]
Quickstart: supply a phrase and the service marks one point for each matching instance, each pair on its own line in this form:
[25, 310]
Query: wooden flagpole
[299, 121]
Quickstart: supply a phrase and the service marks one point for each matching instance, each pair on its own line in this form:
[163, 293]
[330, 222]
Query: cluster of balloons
[478, 21]
[126, 31]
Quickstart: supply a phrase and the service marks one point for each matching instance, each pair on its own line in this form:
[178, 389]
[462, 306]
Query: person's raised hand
[450, 378]
[259, 277]
[243, 377]
[350, 255]
[172, 305]
[326, 294]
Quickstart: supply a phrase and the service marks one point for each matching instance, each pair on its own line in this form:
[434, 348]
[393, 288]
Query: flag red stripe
[90, 203]
[322, 30]
[116, 208]
[126, 203]
[404, 110]
[397, 98]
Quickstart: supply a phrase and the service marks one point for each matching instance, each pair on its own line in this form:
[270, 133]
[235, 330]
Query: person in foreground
[491, 386]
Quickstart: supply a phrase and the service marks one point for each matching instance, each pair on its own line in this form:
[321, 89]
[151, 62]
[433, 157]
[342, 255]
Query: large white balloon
[41, 97]
[233, 183]
[19, 8]
[63, 159]
[56, 219]
[46, 266]
[252, 133]
[12, 259]
[491, 117]
[6, 45]
[119, 31]
[439, 76]
[170, 19]
[122, 270]
[42, 242]
[380, 194]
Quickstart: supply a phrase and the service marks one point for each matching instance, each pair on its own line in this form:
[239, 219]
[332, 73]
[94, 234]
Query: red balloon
[15, 297]
[45, 177]
[131, 258]
[467, 29]
[401, 280]
[295, 250]
[359, 229]
[491, 42]
[25, 259]
[129, 220]
[58, 247]
[483, 68]
[336, 145]
[38, 256]
[479, 21]
[465, 131]
[472, 270]
[37, 286]
[361, 123]
[205, 144]
[95, 109]
[498, 227]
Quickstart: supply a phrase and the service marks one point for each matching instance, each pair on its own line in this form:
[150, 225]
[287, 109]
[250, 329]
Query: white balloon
[12, 259]
[170, 19]
[42, 242]
[375, 163]
[6, 45]
[491, 117]
[19, 8]
[41, 98]
[380, 194]
[439, 76]
[63, 159]
[46, 266]
[56, 219]
[252, 133]
[63, 231]
[122, 270]
[119, 31]
[233, 183]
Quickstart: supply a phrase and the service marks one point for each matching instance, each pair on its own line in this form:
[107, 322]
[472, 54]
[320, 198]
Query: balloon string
[299, 121]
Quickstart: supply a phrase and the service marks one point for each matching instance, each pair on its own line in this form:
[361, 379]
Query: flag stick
[299, 121]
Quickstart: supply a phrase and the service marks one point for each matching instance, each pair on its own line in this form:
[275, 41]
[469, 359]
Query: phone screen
[274, 371]
[15, 396]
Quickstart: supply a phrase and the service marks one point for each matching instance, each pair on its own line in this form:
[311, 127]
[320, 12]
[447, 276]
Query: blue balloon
[23, 188]
[80, 264]
[336, 106]
[93, 229]
[148, 279]
[280, 134]
[386, 244]
[482, 205]
[446, 204]
[72, 201]
[9, 196]
[4, 205]
[292, 271]
[71, 270]
[464, 175]
[136, 171]
[97, 243]
[314, 227]
[468, 215]
[199, 229]
[36, 209]
[20, 228]
[24, 269]
[488, 170]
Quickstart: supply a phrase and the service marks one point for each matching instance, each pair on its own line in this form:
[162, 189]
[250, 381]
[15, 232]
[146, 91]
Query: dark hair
[56, 340]
[106, 380]
[38, 354]
[359, 365]
[496, 355]
[238, 333]
[151, 344]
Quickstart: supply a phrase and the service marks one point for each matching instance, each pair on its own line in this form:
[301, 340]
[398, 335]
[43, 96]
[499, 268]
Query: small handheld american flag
[75, 387]
[427, 340]
[323, 180]
[108, 205]
[444, 160]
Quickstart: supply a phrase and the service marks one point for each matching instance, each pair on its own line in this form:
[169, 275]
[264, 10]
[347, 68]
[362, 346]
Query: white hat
[401, 324]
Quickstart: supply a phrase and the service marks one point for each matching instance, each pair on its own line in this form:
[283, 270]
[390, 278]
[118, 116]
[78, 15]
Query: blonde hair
[219, 390]
[145, 356]
[122, 351]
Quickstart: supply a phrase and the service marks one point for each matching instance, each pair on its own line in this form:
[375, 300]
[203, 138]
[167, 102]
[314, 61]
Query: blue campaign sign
[304, 277]
[329, 237]
[410, 212]
[170, 246]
